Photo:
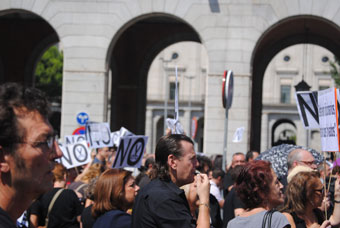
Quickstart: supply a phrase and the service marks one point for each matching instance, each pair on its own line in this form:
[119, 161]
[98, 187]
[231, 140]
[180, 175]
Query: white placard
[98, 135]
[307, 104]
[74, 155]
[174, 126]
[328, 122]
[118, 134]
[71, 139]
[130, 151]
[238, 134]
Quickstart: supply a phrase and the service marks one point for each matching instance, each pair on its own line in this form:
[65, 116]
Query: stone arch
[287, 32]
[27, 35]
[277, 124]
[143, 38]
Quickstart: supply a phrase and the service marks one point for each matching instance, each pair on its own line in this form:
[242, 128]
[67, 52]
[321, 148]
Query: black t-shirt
[5, 220]
[161, 204]
[86, 217]
[64, 212]
[231, 203]
[215, 212]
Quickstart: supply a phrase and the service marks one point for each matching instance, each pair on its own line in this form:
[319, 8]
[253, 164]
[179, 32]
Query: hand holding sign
[175, 126]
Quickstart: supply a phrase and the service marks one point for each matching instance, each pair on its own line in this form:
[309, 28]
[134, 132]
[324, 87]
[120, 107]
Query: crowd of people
[175, 187]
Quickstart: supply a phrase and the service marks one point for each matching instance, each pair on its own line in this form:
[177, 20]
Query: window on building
[285, 94]
[172, 90]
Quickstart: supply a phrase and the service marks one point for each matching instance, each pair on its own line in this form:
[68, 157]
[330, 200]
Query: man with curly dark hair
[27, 150]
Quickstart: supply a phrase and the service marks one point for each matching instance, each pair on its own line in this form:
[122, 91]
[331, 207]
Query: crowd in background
[96, 195]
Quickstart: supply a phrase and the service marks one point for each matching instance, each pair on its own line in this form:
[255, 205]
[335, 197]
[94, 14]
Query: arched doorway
[290, 31]
[143, 38]
[283, 131]
[24, 38]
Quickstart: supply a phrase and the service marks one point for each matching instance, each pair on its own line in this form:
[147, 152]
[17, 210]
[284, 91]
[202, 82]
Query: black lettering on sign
[312, 110]
[106, 133]
[68, 157]
[81, 138]
[136, 152]
[121, 153]
[80, 152]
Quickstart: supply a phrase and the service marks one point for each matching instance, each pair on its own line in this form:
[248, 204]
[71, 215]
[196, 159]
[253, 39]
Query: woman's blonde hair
[300, 191]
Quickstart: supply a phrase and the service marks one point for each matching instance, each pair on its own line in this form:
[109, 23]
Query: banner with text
[98, 135]
[75, 154]
[307, 104]
[130, 151]
[328, 119]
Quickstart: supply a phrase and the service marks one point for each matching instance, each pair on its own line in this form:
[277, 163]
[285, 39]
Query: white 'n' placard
[75, 154]
[130, 151]
[307, 104]
[98, 135]
[328, 119]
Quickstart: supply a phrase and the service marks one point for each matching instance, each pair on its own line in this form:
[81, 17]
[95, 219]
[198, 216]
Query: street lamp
[164, 64]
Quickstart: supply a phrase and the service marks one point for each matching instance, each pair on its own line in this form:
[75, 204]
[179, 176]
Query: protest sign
[328, 119]
[74, 154]
[130, 151]
[98, 135]
[72, 139]
[307, 104]
[174, 126]
[238, 134]
[118, 134]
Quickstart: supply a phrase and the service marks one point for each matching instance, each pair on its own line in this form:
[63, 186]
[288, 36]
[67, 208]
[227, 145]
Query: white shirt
[215, 191]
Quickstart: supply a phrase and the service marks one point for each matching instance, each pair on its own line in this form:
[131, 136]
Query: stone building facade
[110, 45]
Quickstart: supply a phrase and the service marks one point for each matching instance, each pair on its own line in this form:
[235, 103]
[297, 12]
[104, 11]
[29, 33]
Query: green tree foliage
[335, 70]
[49, 73]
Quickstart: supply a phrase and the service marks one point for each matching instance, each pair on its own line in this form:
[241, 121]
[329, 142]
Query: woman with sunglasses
[304, 196]
[114, 194]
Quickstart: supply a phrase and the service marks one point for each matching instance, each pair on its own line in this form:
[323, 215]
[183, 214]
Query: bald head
[300, 157]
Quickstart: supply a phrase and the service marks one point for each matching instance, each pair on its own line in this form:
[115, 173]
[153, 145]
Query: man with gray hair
[298, 157]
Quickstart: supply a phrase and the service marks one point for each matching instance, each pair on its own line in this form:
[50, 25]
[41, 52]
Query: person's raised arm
[203, 191]
[335, 218]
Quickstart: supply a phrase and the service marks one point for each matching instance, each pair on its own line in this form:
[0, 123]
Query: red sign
[79, 131]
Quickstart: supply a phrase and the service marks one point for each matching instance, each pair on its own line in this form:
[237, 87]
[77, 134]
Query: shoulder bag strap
[267, 217]
[79, 187]
[50, 206]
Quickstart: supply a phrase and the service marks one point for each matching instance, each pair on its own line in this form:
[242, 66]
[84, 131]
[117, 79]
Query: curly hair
[299, 191]
[109, 192]
[168, 144]
[14, 97]
[253, 183]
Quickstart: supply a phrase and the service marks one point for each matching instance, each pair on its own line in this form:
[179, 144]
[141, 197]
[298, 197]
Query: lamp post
[166, 85]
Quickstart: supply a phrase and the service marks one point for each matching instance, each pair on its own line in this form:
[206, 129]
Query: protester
[216, 184]
[161, 203]
[143, 177]
[251, 155]
[305, 193]
[27, 150]
[298, 157]
[59, 207]
[87, 221]
[260, 191]
[114, 194]
[101, 156]
[205, 164]
[233, 205]
[215, 210]
[228, 183]
[84, 178]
